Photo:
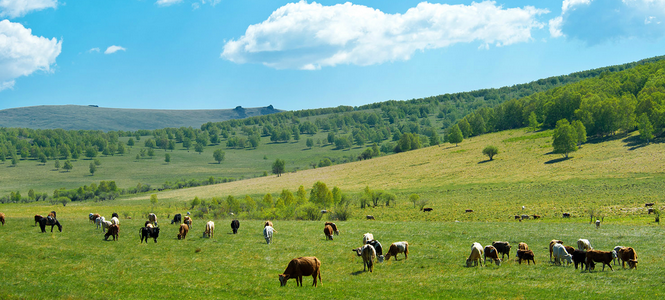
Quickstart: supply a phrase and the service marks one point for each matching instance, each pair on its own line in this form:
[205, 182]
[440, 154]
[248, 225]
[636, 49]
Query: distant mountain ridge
[92, 117]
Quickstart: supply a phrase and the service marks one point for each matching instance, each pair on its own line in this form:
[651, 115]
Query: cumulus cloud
[19, 8]
[113, 49]
[22, 53]
[93, 50]
[597, 21]
[167, 2]
[309, 36]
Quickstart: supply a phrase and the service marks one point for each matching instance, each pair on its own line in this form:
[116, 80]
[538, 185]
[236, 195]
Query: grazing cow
[476, 254]
[299, 267]
[629, 255]
[235, 224]
[268, 223]
[525, 255]
[524, 217]
[188, 221]
[370, 217]
[182, 232]
[569, 249]
[38, 218]
[469, 210]
[517, 218]
[115, 221]
[584, 244]
[149, 232]
[367, 237]
[396, 248]
[560, 253]
[369, 254]
[522, 246]
[651, 210]
[566, 215]
[210, 230]
[597, 224]
[106, 225]
[98, 222]
[491, 252]
[536, 217]
[427, 209]
[599, 256]
[115, 215]
[113, 231]
[323, 211]
[552, 243]
[177, 219]
[2, 219]
[648, 204]
[502, 247]
[328, 231]
[93, 217]
[378, 248]
[50, 220]
[153, 219]
[334, 227]
[615, 254]
[267, 233]
[579, 257]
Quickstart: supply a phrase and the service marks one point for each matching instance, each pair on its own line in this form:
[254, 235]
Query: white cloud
[310, 36]
[595, 21]
[19, 8]
[114, 49]
[167, 2]
[22, 53]
[93, 50]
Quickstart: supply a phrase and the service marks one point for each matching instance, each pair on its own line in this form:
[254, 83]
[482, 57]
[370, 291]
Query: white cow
[615, 254]
[476, 255]
[210, 229]
[367, 237]
[583, 244]
[115, 221]
[106, 225]
[267, 233]
[560, 253]
[99, 222]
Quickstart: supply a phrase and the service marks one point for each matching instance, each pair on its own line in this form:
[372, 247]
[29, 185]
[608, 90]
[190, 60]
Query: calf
[115, 221]
[474, 257]
[651, 210]
[210, 230]
[105, 225]
[396, 248]
[299, 267]
[648, 204]
[182, 233]
[93, 217]
[334, 227]
[536, 217]
[628, 254]
[597, 224]
[149, 232]
[599, 256]
[268, 223]
[525, 255]
[328, 231]
[235, 224]
[518, 218]
[502, 247]
[561, 253]
[491, 252]
[153, 219]
[552, 243]
[115, 215]
[524, 217]
[113, 231]
[177, 219]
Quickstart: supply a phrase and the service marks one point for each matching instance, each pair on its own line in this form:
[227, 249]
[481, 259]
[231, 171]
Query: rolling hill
[77, 117]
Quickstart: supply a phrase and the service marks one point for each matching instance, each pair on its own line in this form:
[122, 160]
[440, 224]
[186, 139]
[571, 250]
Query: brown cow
[525, 255]
[268, 223]
[522, 246]
[334, 227]
[536, 217]
[93, 217]
[38, 218]
[299, 267]
[552, 242]
[183, 231]
[491, 252]
[328, 231]
[396, 248]
[187, 220]
[628, 254]
[599, 256]
[2, 218]
[113, 231]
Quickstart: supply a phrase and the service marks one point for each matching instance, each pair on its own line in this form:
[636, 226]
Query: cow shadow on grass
[357, 273]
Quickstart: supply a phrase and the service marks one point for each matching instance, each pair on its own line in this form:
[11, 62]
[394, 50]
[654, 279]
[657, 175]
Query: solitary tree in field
[309, 142]
[68, 165]
[153, 199]
[93, 168]
[130, 142]
[455, 135]
[278, 167]
[198, 148]
[490, 151]
[414, 198]
[42, 158]
[167, 158]
[14, 161]
[151, 152]
[565, 138]
[57, 164]
[219, 155]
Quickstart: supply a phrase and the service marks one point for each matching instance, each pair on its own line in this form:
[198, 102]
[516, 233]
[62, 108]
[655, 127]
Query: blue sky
[212, 54]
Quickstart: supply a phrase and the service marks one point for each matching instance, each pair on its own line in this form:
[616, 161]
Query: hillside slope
[76, 117]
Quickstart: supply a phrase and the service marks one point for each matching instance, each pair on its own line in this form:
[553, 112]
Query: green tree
[233, 203]
[167, 158]
[68, 165]
[57, 164]
[287, 197]
[186, 143]
[321, 195]
[31, 194]
[645, 128]
[336, 195]
[267, 200]
[414, 198]
[171, 145]
[565, 138]
[121, 148]
[90, 152]
[196, 202]
[93, 168]
[465, 128]
[198, 148]
[130, 142]
[218, 155]
[278, 167]
[64, 200]
[153, 199]
[97, 162]
[250, 204]
[302, 195]
[580, 130]
[533, 122]
[149, 143]
[455, 135]
[42, 158]
[490, 151]
[309, 143]
[138, 156]
[14, 160]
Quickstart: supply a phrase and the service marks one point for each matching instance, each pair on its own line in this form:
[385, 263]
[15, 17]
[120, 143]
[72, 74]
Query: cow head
[497, 262]
[155, 231]
[59, 226]
[283, 278]
[380, 258]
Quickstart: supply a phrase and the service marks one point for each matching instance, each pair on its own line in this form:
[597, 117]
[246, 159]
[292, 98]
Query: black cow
[177, 219]
[579, 257]
[503, 248]
[49, 221]
[235, 224]
[427, 209]
[115, 215]
[566, 215]
[377, 247]
[148, 232]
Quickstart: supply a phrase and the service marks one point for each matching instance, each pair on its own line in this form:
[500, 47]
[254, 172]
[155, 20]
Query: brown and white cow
[210, 230]
[328, 231]
[396, 248]
[182, 234]
[493, 254]
[475, 256]
[113, 231]
[299, 267]
[334, 227]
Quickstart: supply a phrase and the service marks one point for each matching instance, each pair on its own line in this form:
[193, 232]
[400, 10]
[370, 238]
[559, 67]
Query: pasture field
[78, 264]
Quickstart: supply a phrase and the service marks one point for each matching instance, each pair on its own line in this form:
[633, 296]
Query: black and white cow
[235, 224]
[149, 232]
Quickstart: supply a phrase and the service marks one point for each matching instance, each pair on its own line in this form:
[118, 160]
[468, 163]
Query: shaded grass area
[78, 263]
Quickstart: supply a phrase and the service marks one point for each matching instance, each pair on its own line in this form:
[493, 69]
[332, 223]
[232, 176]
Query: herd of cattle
[584, 255]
